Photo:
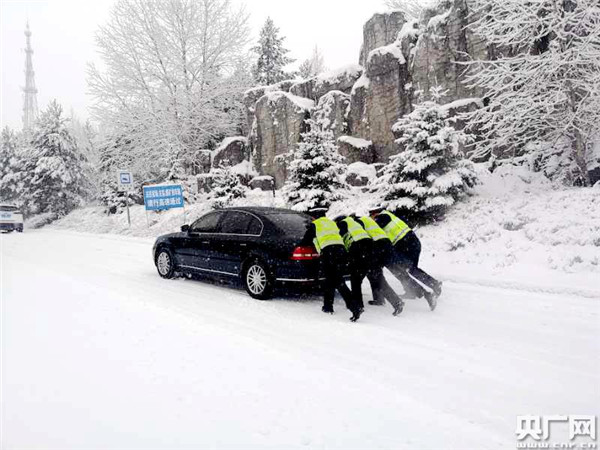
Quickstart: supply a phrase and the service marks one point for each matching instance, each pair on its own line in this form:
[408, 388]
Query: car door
[198, 247]
[238, 231]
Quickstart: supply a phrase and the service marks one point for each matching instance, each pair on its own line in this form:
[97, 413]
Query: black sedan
[260, 246]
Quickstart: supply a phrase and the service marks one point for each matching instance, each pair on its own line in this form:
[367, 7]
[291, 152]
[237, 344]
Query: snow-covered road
[99, 352]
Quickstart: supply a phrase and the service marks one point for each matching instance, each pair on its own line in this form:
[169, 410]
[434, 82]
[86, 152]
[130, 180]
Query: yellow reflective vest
[374, 230]
[396, 229]
[355, 232]
[327, 233]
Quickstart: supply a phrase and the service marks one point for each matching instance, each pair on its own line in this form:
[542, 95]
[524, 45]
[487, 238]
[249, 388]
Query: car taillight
[304, 253]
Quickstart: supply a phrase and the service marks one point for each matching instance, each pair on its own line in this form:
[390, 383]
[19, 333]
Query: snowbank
[355, 142]
[362, 169]
[517, 230]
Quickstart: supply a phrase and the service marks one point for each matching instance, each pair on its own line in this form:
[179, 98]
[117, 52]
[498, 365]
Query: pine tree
[57, 184]
[8, 163]
[271, 55]
[226, 186]
[429, 174]
[316, 170]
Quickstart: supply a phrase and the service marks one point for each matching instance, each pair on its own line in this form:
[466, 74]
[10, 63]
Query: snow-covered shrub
[316, 170]
[226, 186]
[430, 172]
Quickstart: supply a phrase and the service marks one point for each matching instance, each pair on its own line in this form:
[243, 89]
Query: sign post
[163, 196]
[126, 183]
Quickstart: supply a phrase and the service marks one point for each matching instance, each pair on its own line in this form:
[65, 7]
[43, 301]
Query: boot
[437, 288]
[376, 302]
[356, 315]
[431, 300]
[327, 309]
[398, 308]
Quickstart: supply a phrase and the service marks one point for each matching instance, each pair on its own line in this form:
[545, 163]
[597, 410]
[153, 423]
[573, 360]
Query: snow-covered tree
[86, 138]
[315, 171]
[169, 83]
[312, 66]
[429, 173]
[411, 8]
[8, 160]
[57, 184]
[543, 86]
[226, 186]
[272, 55]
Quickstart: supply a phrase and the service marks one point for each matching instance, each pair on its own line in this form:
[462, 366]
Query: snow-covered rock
[360, 174]
[263, 182]
[355, 149]
[279, 121]
[233, 150]
[380, 30]
[330, 112]
[341, 79]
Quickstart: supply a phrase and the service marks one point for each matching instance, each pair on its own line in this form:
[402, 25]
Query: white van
[11, 218]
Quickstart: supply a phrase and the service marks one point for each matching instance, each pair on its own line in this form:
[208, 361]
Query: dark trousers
[405, 266]
[382, 252]
[333, 259]
[360, 257]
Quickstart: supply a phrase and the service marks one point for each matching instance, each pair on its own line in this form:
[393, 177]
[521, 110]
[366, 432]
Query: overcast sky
[63, 42]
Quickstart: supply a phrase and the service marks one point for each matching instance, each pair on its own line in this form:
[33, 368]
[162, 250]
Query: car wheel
[164, 263]
[257, 280]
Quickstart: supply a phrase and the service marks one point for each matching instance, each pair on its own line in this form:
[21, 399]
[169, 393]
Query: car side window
[207, 224]
[255, 226]
[235, 222]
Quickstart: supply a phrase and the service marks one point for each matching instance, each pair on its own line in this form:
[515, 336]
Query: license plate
[5, 215]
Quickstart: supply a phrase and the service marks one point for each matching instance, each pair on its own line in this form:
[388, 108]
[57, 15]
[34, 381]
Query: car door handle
[205, 242]
[242, 244]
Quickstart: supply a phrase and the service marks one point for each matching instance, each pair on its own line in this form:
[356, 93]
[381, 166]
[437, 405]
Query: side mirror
[185, 228]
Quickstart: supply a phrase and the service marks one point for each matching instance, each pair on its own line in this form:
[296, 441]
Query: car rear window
[8, 208]
[291, 223]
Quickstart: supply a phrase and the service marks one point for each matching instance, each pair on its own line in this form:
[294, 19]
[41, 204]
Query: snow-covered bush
[315, 171]
[429, 173]
[226, 186]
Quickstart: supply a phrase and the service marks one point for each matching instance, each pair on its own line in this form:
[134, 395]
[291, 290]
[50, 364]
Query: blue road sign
[159, 197]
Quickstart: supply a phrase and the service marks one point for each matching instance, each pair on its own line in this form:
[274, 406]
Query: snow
[463, 102]
[355, 142]
[302, 103]
[351, 71]
[409, 30]
[99, 352]
[362, 83]
[363, 170]
[438, 20]
[227, 142]
[391, 49]
[244, 168]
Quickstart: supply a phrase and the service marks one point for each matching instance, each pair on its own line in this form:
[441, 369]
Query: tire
[164, 263]
[257, 280]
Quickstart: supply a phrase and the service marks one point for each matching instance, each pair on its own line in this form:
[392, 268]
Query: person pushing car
[405, 260]
[325, 235]
[359, 245]
[381, 253]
